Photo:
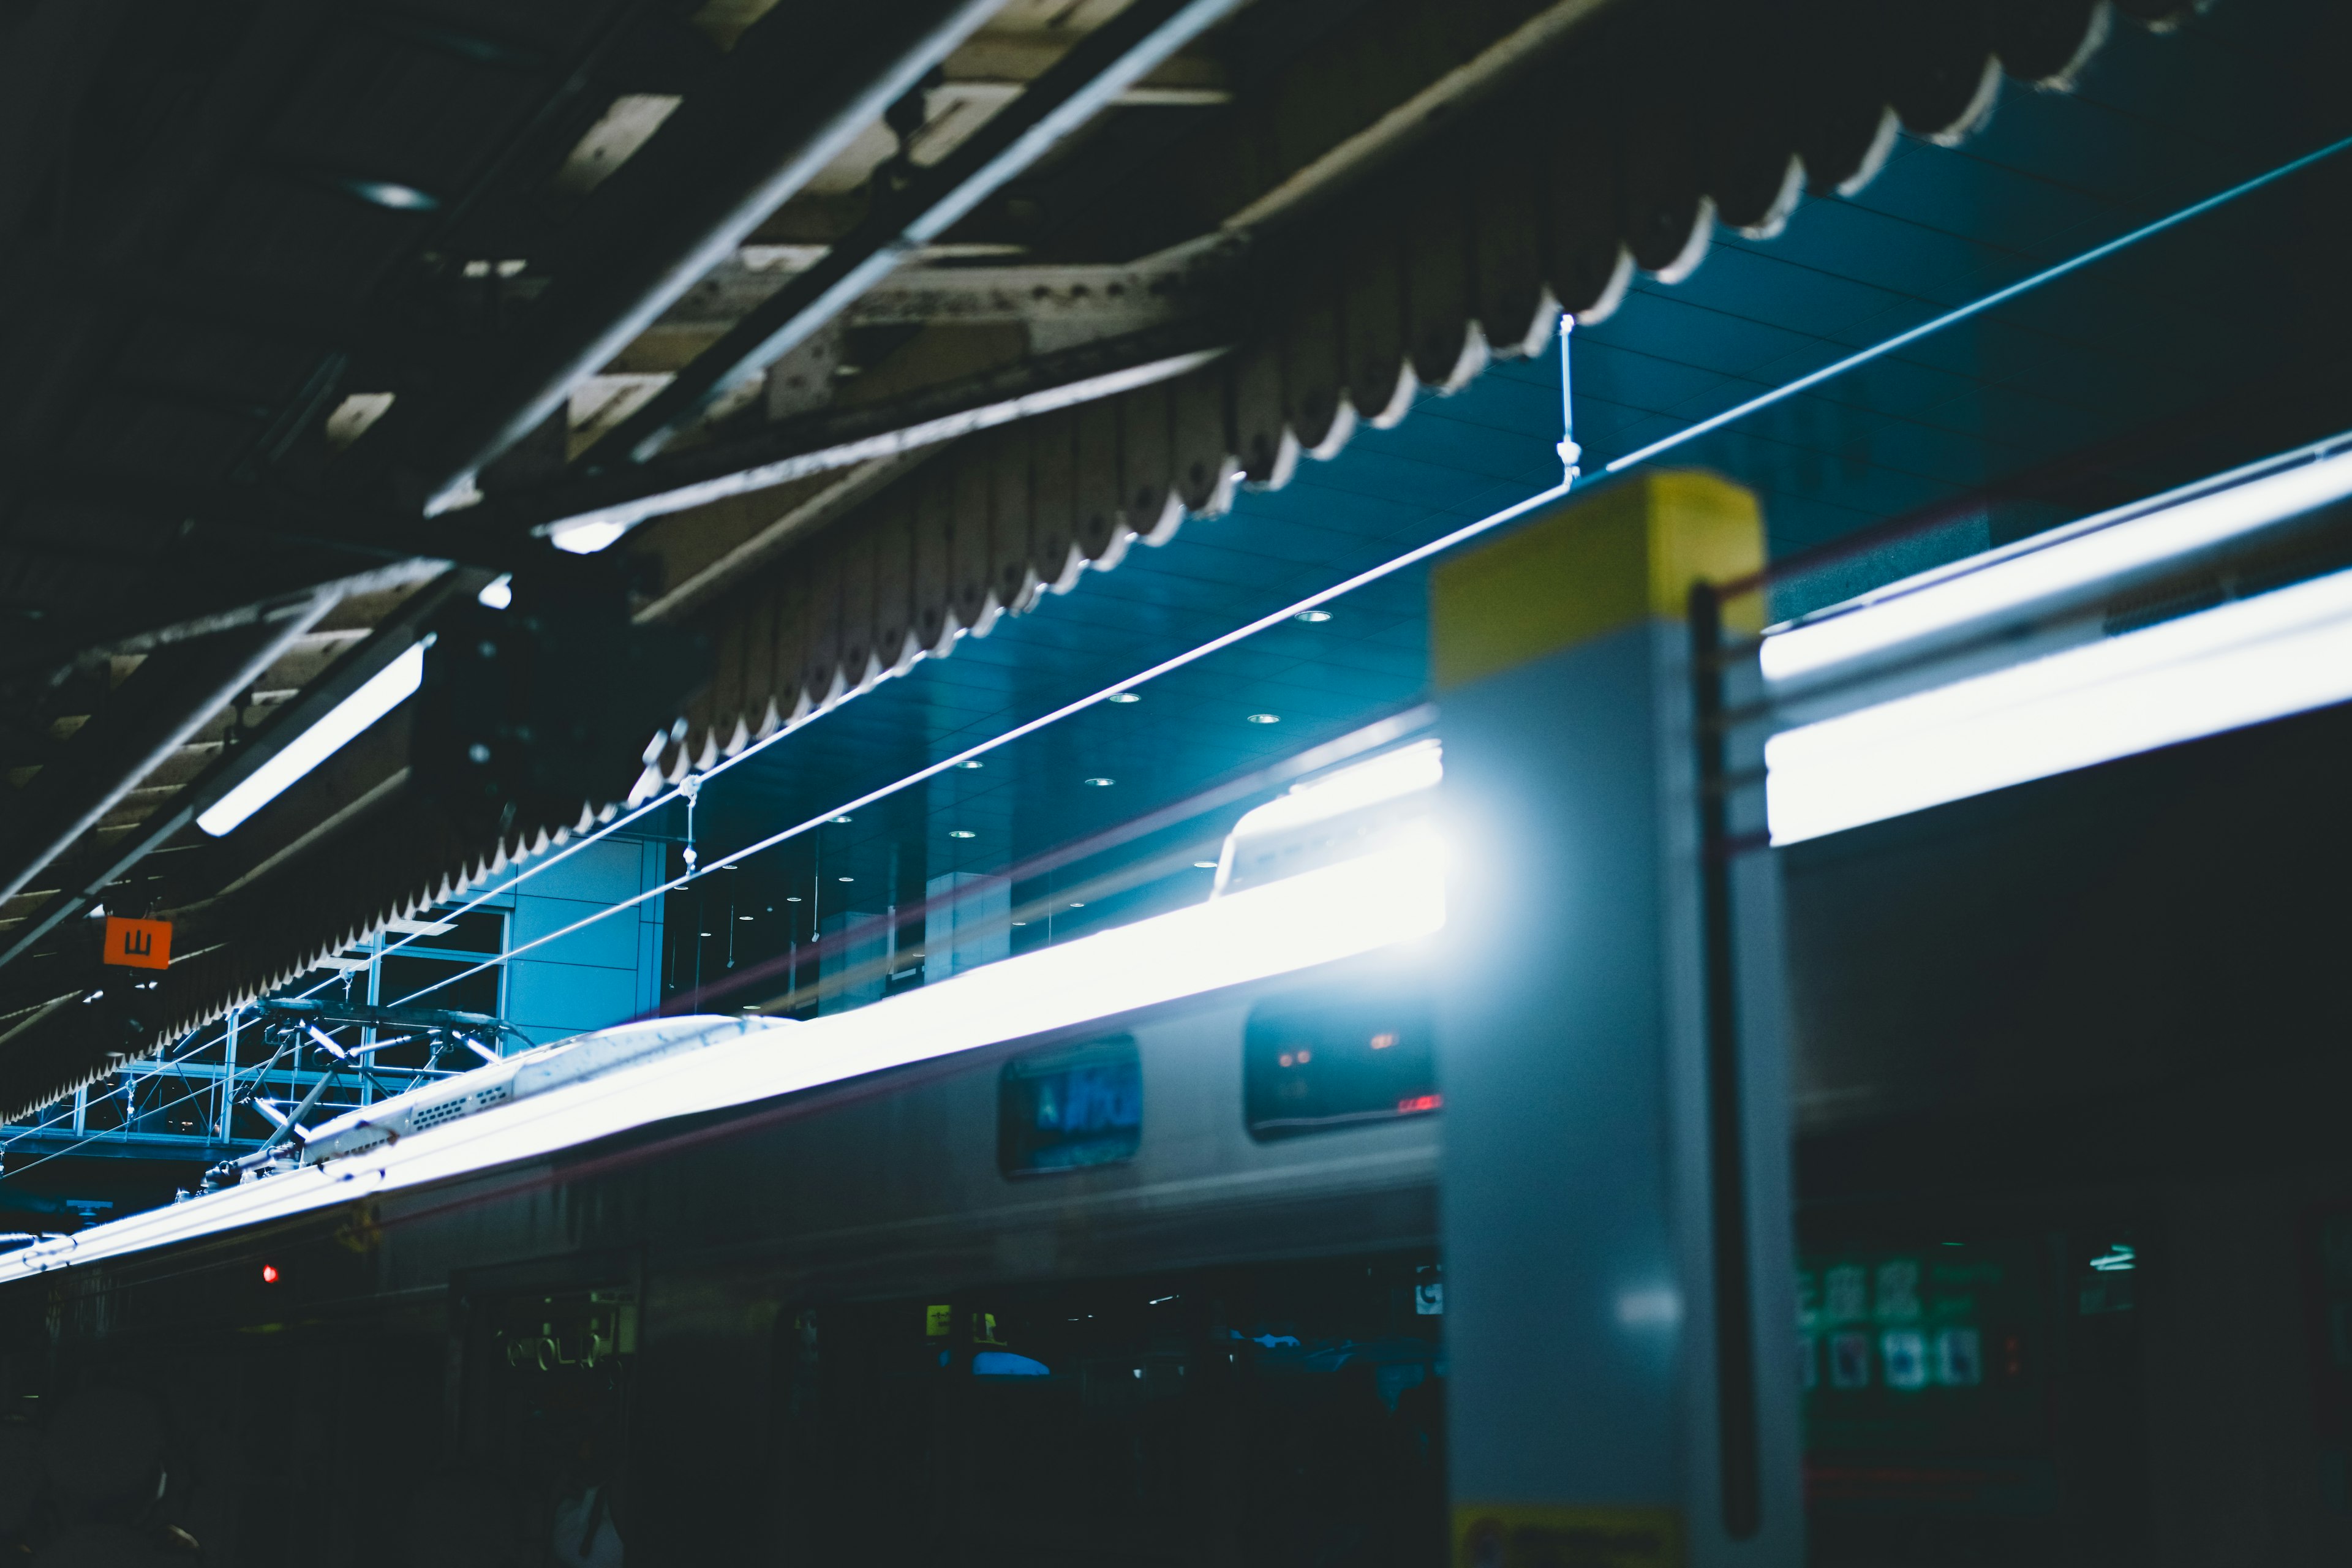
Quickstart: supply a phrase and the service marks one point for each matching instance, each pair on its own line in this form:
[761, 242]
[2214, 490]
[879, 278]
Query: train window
[1333, 1060]
[1063, 1110]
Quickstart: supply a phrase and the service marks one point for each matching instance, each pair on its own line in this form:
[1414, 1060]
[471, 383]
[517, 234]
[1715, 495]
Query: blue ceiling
[2143, 371]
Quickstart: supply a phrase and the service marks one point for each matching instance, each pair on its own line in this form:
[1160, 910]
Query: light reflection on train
[1156, 1281]
[1149, 1279]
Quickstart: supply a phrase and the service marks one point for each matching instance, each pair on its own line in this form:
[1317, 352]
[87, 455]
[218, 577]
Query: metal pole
[375, 999]
[1570, 452]
[228, 1071]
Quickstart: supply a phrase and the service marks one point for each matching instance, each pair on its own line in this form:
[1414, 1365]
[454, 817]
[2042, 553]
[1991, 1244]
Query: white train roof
[1390, 894]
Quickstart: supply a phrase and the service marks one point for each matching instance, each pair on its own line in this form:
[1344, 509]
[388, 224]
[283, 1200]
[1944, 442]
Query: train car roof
[1392, 895]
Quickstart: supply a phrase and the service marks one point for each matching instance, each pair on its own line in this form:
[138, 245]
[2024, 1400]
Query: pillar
[1615, 1189]
[969, 923]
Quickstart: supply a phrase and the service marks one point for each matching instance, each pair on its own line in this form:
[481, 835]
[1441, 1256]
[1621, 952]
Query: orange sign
[140, 944]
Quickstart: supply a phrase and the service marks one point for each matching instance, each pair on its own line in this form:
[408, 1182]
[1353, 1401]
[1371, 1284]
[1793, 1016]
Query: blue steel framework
[185, 1104]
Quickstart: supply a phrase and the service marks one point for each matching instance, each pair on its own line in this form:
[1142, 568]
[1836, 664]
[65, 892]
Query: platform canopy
[862, 326]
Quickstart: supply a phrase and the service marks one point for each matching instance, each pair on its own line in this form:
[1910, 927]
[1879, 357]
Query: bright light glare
[386, 689]
[2096, 552]
[2243, 663]
[1317, 917]
[587, 538]
[499, 593]
[1389, 776]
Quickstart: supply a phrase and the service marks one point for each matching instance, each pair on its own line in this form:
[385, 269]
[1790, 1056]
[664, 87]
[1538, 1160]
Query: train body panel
[701, 1241]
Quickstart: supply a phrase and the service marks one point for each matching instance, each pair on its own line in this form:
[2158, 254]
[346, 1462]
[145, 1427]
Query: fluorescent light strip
[1946, 602]
[384, 690]
[1318, 917]
[2285, 652]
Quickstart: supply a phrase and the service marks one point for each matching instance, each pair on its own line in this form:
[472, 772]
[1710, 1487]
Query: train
[1126, 1250]
[1121, 1250]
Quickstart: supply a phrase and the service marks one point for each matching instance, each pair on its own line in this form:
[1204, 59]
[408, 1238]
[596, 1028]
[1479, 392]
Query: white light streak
[1318, 917]
[2244, 663]
[2094, 553]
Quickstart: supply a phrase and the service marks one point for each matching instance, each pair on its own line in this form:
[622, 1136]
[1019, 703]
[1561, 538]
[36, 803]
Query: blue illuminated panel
[1067, 1109]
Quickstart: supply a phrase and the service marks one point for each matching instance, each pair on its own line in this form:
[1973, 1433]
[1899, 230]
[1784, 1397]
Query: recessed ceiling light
[791, 898]
[1125, 697]
[1020, 922]
[742, 917]
[849, 878]
[702, 933]
[1313, 617]
[391, 195]
[975, 763]
[1204, 865]
[843, 820]
[962, 833]
[1265, 717]
[1078, 906]
[1101, 784]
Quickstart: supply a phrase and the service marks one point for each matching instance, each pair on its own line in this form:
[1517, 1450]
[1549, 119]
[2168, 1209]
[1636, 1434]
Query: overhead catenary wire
[689, 789]
[1190, 656]
[1977, 307]
[1570, 453]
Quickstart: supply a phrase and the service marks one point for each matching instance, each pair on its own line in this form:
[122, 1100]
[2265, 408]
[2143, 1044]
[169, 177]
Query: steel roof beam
[824, 441]
[391, 637]
[1097, 70]
[146, 718]
[794, 135]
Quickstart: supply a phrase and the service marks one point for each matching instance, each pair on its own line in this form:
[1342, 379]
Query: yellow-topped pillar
[1619, 1257]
